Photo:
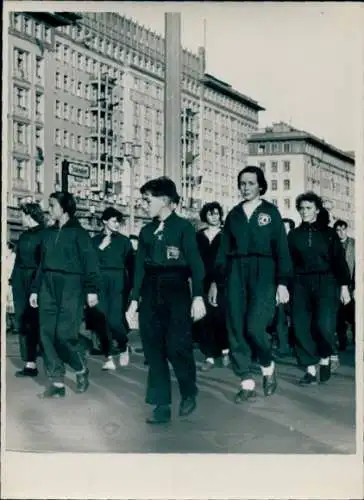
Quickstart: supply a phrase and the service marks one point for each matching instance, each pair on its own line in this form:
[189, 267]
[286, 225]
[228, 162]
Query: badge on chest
[173, 253]
[264, 219]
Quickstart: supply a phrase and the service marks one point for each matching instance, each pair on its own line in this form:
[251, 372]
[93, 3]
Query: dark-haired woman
[321, 278]
[68, 274]
[115, 256]
[254, 265]
[211, 330]
[26, 263]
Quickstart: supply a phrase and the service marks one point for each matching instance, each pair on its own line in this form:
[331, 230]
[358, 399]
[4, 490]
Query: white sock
[248, 385]
[325, 361]
[58, 384]
[210, 360]
[268, 370]
[225, 352]
[311, 370]
[30, 364]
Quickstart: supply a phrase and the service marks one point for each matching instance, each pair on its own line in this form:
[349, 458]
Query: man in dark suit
[346, 313]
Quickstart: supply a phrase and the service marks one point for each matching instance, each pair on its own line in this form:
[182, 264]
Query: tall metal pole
[172, 98]
[132, 201]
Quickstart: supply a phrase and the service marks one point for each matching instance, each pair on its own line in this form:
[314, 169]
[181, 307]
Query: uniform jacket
[317, 250]
[28, 250]
[175, 247]
[263, 235]
[68, 249]
[208, 251]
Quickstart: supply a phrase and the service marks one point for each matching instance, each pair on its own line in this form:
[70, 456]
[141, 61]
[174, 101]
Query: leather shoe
[325, 372]
[161, 415]
[27, 372]
[244, 395]
[187, 406]
[269, 384]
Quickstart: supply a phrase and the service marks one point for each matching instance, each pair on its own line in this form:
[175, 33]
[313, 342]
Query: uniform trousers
[61, 299]
[250, 307]
[165, 329]
[315, 301]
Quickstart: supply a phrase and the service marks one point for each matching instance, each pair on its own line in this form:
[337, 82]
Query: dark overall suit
[253, 259]
[346, 313]
[211, 332]
[319, 269]
[68, 271]
[26, 263]
[115, 262]
[164, 262]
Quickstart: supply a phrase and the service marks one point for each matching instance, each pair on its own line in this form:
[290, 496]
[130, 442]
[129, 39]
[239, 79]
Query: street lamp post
[131, 153]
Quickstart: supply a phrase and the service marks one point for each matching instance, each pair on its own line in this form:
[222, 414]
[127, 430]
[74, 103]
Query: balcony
[21, 148]
[39, 81]
[56, 18]
[21, 74]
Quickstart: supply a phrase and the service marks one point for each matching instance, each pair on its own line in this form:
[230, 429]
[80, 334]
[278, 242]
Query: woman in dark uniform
[115, 255]
[26, 263]
[211, 330]
[321, 278]
[254, 265]
[67, 276]
[167, 256]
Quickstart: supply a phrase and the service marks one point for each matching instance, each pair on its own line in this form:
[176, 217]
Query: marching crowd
[228, 287]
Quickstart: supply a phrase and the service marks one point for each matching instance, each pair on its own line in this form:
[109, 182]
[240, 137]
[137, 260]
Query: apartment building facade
[295, 161]
[103, 86]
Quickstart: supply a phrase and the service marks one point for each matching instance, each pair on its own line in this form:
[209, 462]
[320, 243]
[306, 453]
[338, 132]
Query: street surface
[110, 416]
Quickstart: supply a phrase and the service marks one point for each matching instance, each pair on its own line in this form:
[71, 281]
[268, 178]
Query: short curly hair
[211, 207]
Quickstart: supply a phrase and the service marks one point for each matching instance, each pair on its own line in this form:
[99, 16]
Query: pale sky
[302, 62]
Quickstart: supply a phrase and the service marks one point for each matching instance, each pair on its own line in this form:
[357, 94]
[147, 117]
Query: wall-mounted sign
[79, 170]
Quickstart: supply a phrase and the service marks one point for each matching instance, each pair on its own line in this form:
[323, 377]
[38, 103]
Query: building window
[58, 51]
[275, 202]
[17, 21]
[48, 34]
[19, 169]
[274, 185]
[79, 89]
[21, 62]
[66, 54]
[58, 137]
[66, 139]
[21, 97]
[39, 137]
[72, 141]
[20, 133]
[79, 116]
[286, 166]
[58, 109]
[38, 31]
[287, 148]
[39, 108]
[39, 69]
[66, 111]
[79, 143]
[274, 167]
[58, 80]
[66, 82]
[262, 166]
[27, 26]
[287, 203]
[286, 184]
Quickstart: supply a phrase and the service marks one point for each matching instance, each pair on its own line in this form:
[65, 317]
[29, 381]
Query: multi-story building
[31, 42]
[104, 86]
[295, 161]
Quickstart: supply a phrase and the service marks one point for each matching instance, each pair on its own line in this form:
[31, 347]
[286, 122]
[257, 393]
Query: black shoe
[187, 406]
[161, 415]
[27, 372]
[325, 372]
[270, 384]
[308, 379]
[53, 392]
[244, 395]
[82, 381]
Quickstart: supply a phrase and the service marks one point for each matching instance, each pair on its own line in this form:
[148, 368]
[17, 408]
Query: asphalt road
[110, 416]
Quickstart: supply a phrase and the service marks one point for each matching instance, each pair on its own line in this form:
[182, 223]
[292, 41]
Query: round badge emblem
[264, 219]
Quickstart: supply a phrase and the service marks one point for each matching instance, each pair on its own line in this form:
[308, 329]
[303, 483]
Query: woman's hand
[92, 299]
[282, 295]
[131, 312]
[198, 309]
[212, 295]
[33, 300]
[345, 295]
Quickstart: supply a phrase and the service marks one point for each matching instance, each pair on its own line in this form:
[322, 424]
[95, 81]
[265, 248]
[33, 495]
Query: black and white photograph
[181, 239]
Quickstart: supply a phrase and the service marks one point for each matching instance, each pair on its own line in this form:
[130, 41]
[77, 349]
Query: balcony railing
[22, 111]
[21, 148]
